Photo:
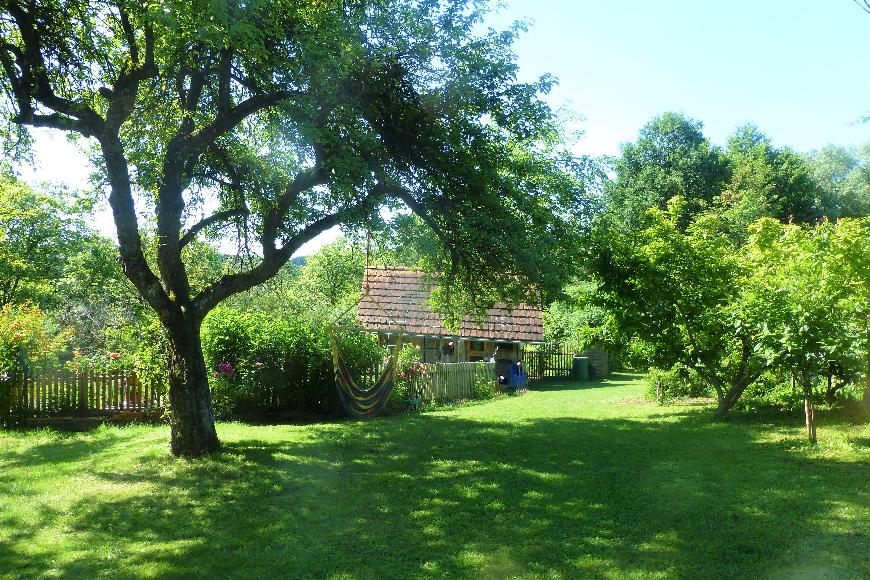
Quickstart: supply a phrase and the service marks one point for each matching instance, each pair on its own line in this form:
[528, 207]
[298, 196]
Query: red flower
[14, 326]
[114, 355]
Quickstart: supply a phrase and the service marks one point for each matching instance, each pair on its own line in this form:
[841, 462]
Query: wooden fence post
[82, 380]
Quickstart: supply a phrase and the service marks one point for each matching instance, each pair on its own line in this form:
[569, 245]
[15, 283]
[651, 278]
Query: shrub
[674, 383]
[484, 386]
[142, 347]
[408, 370]
[774, 390]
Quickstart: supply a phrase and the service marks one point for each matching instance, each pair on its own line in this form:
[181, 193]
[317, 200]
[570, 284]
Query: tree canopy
[671, 157]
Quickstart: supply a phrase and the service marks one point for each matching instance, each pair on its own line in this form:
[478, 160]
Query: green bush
[774, 390]
[484, 387]
[142, 347]
[408, 369]
[675, 383]
[262, 365]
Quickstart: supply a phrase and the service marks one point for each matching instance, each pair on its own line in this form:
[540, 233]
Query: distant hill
[299, 260]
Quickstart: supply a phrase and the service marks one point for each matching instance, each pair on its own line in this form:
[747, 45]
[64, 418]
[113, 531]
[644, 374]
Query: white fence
[447, 382]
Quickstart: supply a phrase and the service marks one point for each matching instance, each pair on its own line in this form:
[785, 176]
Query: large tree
[38, 231]
[671, 157]
[767, 182]
[681, 291]
[278, 119]
[808, 297]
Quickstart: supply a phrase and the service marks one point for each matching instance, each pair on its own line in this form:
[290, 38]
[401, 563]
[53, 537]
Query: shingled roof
[399, 294]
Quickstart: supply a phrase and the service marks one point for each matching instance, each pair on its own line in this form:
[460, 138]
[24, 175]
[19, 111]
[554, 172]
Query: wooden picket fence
[548, 362]
[56, 391]
[448, 382]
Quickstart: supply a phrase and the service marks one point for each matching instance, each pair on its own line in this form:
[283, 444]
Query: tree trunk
[809, 407]
[191, 421]
[724, 407]
[729, 398]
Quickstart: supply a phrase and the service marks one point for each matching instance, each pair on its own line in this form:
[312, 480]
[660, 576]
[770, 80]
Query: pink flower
[226, 368]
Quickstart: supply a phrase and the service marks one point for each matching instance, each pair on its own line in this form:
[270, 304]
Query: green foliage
[801, 295]
[326, 285]
[843, 175]
[39, 231]
[767, 182]
[809, 300]
[330, 280]
[143, 347]
[774, 390]
[680, 292]
[484, 388]
[93, 299]
[579, 321]
[409, 368]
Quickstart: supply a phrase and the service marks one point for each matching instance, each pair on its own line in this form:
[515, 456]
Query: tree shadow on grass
[445, 496]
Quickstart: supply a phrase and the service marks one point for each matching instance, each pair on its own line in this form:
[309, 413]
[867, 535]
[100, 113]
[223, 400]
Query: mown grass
[565, 481]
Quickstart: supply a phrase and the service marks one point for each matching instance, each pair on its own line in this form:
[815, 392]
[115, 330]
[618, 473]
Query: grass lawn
[562, 482]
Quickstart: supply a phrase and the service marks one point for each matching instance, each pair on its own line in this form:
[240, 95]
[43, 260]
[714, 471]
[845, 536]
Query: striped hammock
[359, 401]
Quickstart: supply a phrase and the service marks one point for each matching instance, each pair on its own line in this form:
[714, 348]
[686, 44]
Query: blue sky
[798, 69]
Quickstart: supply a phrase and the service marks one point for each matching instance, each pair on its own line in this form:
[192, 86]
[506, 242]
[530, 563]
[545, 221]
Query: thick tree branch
[56, 121]
[223, 123]
[275, 216]
[129, 34]
[418, 208]
[33, 84]
[132, 257]
[218, 217]
[231, 284]
[224, 81]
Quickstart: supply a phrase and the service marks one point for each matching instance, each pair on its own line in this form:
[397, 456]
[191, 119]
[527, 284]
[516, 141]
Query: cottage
[399, 294]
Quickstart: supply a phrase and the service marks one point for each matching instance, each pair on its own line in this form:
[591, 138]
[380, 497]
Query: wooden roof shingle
[399, 294]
